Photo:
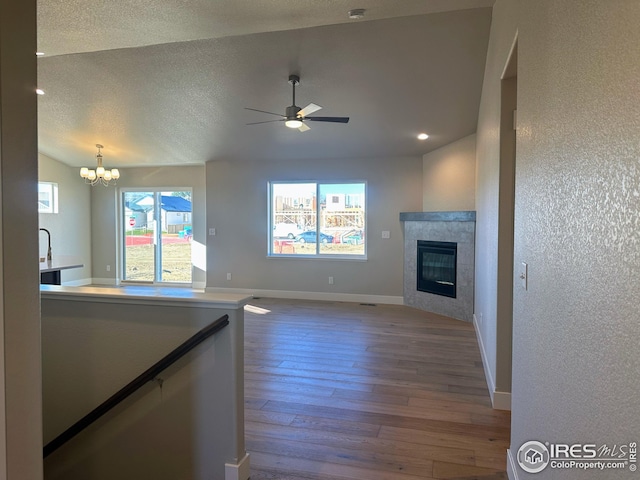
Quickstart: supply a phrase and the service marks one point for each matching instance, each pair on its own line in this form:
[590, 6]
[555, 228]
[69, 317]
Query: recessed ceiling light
[356, 13]
[39, 54]
[423, 136]
[39, 91]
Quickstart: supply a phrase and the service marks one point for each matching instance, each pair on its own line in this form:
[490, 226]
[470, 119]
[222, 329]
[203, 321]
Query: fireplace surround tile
[458, 227]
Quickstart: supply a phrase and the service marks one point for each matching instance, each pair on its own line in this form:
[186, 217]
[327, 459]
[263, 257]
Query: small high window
[47, 197]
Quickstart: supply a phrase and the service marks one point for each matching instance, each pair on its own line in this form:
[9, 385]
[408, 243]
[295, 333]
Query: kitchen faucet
[49, 244]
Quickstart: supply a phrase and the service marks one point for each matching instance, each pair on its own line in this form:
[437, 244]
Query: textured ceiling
[163, 82]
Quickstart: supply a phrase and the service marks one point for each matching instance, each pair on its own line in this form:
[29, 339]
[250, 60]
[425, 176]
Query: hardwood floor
[352, 391]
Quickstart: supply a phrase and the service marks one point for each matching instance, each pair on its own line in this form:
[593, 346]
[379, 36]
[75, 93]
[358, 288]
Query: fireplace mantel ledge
[457, 216]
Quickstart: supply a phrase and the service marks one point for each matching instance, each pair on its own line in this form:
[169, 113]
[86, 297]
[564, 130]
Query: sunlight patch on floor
[254, 309]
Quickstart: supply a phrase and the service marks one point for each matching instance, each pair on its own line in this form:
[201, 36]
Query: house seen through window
[317, 219]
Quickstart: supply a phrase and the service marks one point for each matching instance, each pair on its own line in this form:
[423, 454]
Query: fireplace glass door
[437, 267]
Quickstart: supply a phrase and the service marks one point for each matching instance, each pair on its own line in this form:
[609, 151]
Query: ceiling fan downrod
[292, 111]
[293, 81]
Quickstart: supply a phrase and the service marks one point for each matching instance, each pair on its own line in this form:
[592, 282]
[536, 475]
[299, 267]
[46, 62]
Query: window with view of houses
[156, 235]
[317, 219]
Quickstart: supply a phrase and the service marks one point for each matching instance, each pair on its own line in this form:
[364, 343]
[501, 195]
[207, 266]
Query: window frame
[121, 240]
[317, 255]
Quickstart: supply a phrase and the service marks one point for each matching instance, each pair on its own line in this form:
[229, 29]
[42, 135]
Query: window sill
[340, 258]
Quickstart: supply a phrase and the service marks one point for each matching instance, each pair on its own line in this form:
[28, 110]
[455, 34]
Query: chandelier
[99, 175]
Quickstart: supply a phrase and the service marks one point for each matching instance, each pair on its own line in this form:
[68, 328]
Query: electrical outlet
[330, 280]
[108, 268]
[212, 232]
[228, 276]
[386, 234]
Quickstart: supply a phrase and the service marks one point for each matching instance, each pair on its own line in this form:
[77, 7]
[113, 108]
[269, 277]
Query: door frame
[157, 240]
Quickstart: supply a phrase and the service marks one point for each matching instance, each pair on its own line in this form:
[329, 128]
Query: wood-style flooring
[369, 392]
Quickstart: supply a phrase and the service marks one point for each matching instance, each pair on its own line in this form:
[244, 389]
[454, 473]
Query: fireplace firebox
[437, 267]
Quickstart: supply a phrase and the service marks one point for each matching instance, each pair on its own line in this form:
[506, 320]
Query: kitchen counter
[147, 295]
[50, 270]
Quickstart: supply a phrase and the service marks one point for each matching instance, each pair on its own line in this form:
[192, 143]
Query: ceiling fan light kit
[295, 116]
[293, 123]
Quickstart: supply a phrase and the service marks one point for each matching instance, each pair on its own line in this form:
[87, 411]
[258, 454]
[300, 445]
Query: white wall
[105, 227]
[237, 208]
[496, 354]
[576, 357]
[449, 177]
[71, 227]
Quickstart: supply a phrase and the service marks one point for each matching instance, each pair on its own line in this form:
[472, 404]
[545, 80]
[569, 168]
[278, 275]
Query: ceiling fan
[296, 116]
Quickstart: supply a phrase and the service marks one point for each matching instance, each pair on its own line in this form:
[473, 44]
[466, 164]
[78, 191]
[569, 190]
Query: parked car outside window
[310, 236]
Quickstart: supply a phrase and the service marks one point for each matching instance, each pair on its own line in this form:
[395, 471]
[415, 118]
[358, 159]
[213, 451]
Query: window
[299, 213]
[157, 234]
[47, 197]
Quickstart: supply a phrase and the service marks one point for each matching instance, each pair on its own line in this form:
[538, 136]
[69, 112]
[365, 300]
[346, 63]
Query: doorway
[504, 310]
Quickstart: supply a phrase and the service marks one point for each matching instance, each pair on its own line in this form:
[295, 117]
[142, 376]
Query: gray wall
[449, 177]
[576, 361]
[20, 362]
[105, 226]
[496, 354]
[71, 227]
[237, 208]
[187, 427]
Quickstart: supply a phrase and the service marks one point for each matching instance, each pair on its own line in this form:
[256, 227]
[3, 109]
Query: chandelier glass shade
[100, 175]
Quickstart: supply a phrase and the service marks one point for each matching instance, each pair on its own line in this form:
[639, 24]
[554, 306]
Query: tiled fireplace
[439, 229]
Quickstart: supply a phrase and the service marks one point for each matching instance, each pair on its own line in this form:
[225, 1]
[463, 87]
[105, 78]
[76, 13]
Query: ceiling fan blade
[329, 119]
[309, 109]
[304, 127]
[262, 111]
[266, 121]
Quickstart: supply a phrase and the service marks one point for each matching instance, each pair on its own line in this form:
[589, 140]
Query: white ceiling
[166, 82]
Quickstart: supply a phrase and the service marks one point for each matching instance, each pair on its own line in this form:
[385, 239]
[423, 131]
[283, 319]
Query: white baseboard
[324, 296]
[487, 370]
[512, 472]
[241, 471]
[499, 400]
[78, 283]
[199, 285]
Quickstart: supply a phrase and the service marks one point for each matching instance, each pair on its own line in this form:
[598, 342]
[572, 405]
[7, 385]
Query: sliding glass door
[157, 233]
